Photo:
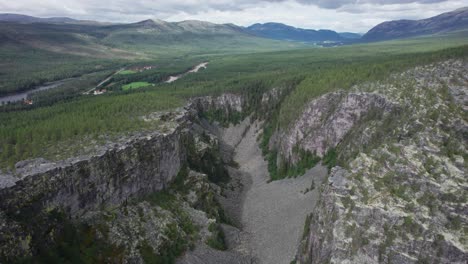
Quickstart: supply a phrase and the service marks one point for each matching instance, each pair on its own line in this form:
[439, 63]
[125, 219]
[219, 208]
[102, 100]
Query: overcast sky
[339, 15]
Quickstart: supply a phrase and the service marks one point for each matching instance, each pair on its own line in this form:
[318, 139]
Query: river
[21, 96]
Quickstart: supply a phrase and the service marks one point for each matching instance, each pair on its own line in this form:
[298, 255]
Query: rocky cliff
[402, 198]
[326, 121]
[140, 167]
[111, 193]
[137, 168]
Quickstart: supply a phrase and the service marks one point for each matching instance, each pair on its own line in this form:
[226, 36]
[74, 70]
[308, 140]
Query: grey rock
[326, 121]
[401, 201]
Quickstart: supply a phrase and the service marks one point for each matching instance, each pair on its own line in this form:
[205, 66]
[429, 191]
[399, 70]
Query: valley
[200, 143]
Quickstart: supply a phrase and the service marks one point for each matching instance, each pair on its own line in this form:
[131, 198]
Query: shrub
[330, 158]
[217, 239]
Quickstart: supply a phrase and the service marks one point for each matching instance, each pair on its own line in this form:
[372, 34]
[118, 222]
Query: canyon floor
[270, 215]
[273, 213]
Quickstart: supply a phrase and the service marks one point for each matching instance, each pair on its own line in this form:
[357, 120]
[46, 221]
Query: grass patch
[136, 85]
[127, 72]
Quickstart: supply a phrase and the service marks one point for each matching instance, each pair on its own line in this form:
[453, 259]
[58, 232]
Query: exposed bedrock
[142, 166]
[326, 121]
[402, 197]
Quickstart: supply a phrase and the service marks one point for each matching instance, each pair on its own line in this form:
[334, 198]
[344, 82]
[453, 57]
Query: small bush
[217, 239]
[330, 158]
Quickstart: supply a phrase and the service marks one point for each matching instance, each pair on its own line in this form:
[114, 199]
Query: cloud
[340, 15]
[333, 4]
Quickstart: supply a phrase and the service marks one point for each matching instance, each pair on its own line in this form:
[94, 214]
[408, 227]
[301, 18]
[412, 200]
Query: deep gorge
[169, 196]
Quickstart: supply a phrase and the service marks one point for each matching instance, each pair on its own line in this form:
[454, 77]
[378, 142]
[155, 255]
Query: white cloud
[340, 15]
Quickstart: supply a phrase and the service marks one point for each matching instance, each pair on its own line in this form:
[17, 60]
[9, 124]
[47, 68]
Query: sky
[340, 15]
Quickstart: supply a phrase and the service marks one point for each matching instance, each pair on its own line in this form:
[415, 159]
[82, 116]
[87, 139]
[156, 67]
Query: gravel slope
[269, 217]
[273, 214]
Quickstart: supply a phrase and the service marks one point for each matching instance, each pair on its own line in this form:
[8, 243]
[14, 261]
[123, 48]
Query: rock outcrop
[226, 102]
[402, 199]
[326, 121]
[142, 166]
[83, 189]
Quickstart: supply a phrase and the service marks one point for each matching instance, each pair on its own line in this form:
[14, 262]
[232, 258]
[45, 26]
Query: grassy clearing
[136, 85]
[126, 72]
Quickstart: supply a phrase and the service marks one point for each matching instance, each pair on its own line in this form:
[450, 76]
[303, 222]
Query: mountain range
[25, 19]
[271, 30]
[446, 22]
[154, 38]
[83, 37]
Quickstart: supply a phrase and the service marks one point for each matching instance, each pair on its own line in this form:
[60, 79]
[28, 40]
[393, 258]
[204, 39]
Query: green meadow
[135, 85]
[125, 72]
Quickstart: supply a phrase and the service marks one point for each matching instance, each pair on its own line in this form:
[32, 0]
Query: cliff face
[401, 199]
[326, 121]
[86, 187]
[226, 102]
[140, 167]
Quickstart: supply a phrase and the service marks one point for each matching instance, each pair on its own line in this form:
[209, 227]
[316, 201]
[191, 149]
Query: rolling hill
[141, 39]
[25, 19]
[397, 29]
[18, 18]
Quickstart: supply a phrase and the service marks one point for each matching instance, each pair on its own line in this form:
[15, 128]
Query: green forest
[62, 118]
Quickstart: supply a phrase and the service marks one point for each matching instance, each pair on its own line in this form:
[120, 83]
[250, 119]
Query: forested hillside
[47, 131]
[35, 53]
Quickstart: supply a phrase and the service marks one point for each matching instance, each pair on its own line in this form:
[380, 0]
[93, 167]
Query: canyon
[199, 190]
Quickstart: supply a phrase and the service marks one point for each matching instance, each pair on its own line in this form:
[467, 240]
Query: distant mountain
[17, 18]
[159, 32]
[284, 32]
[172, 28]
[445, 22]
[154, 37]
[25, 19]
